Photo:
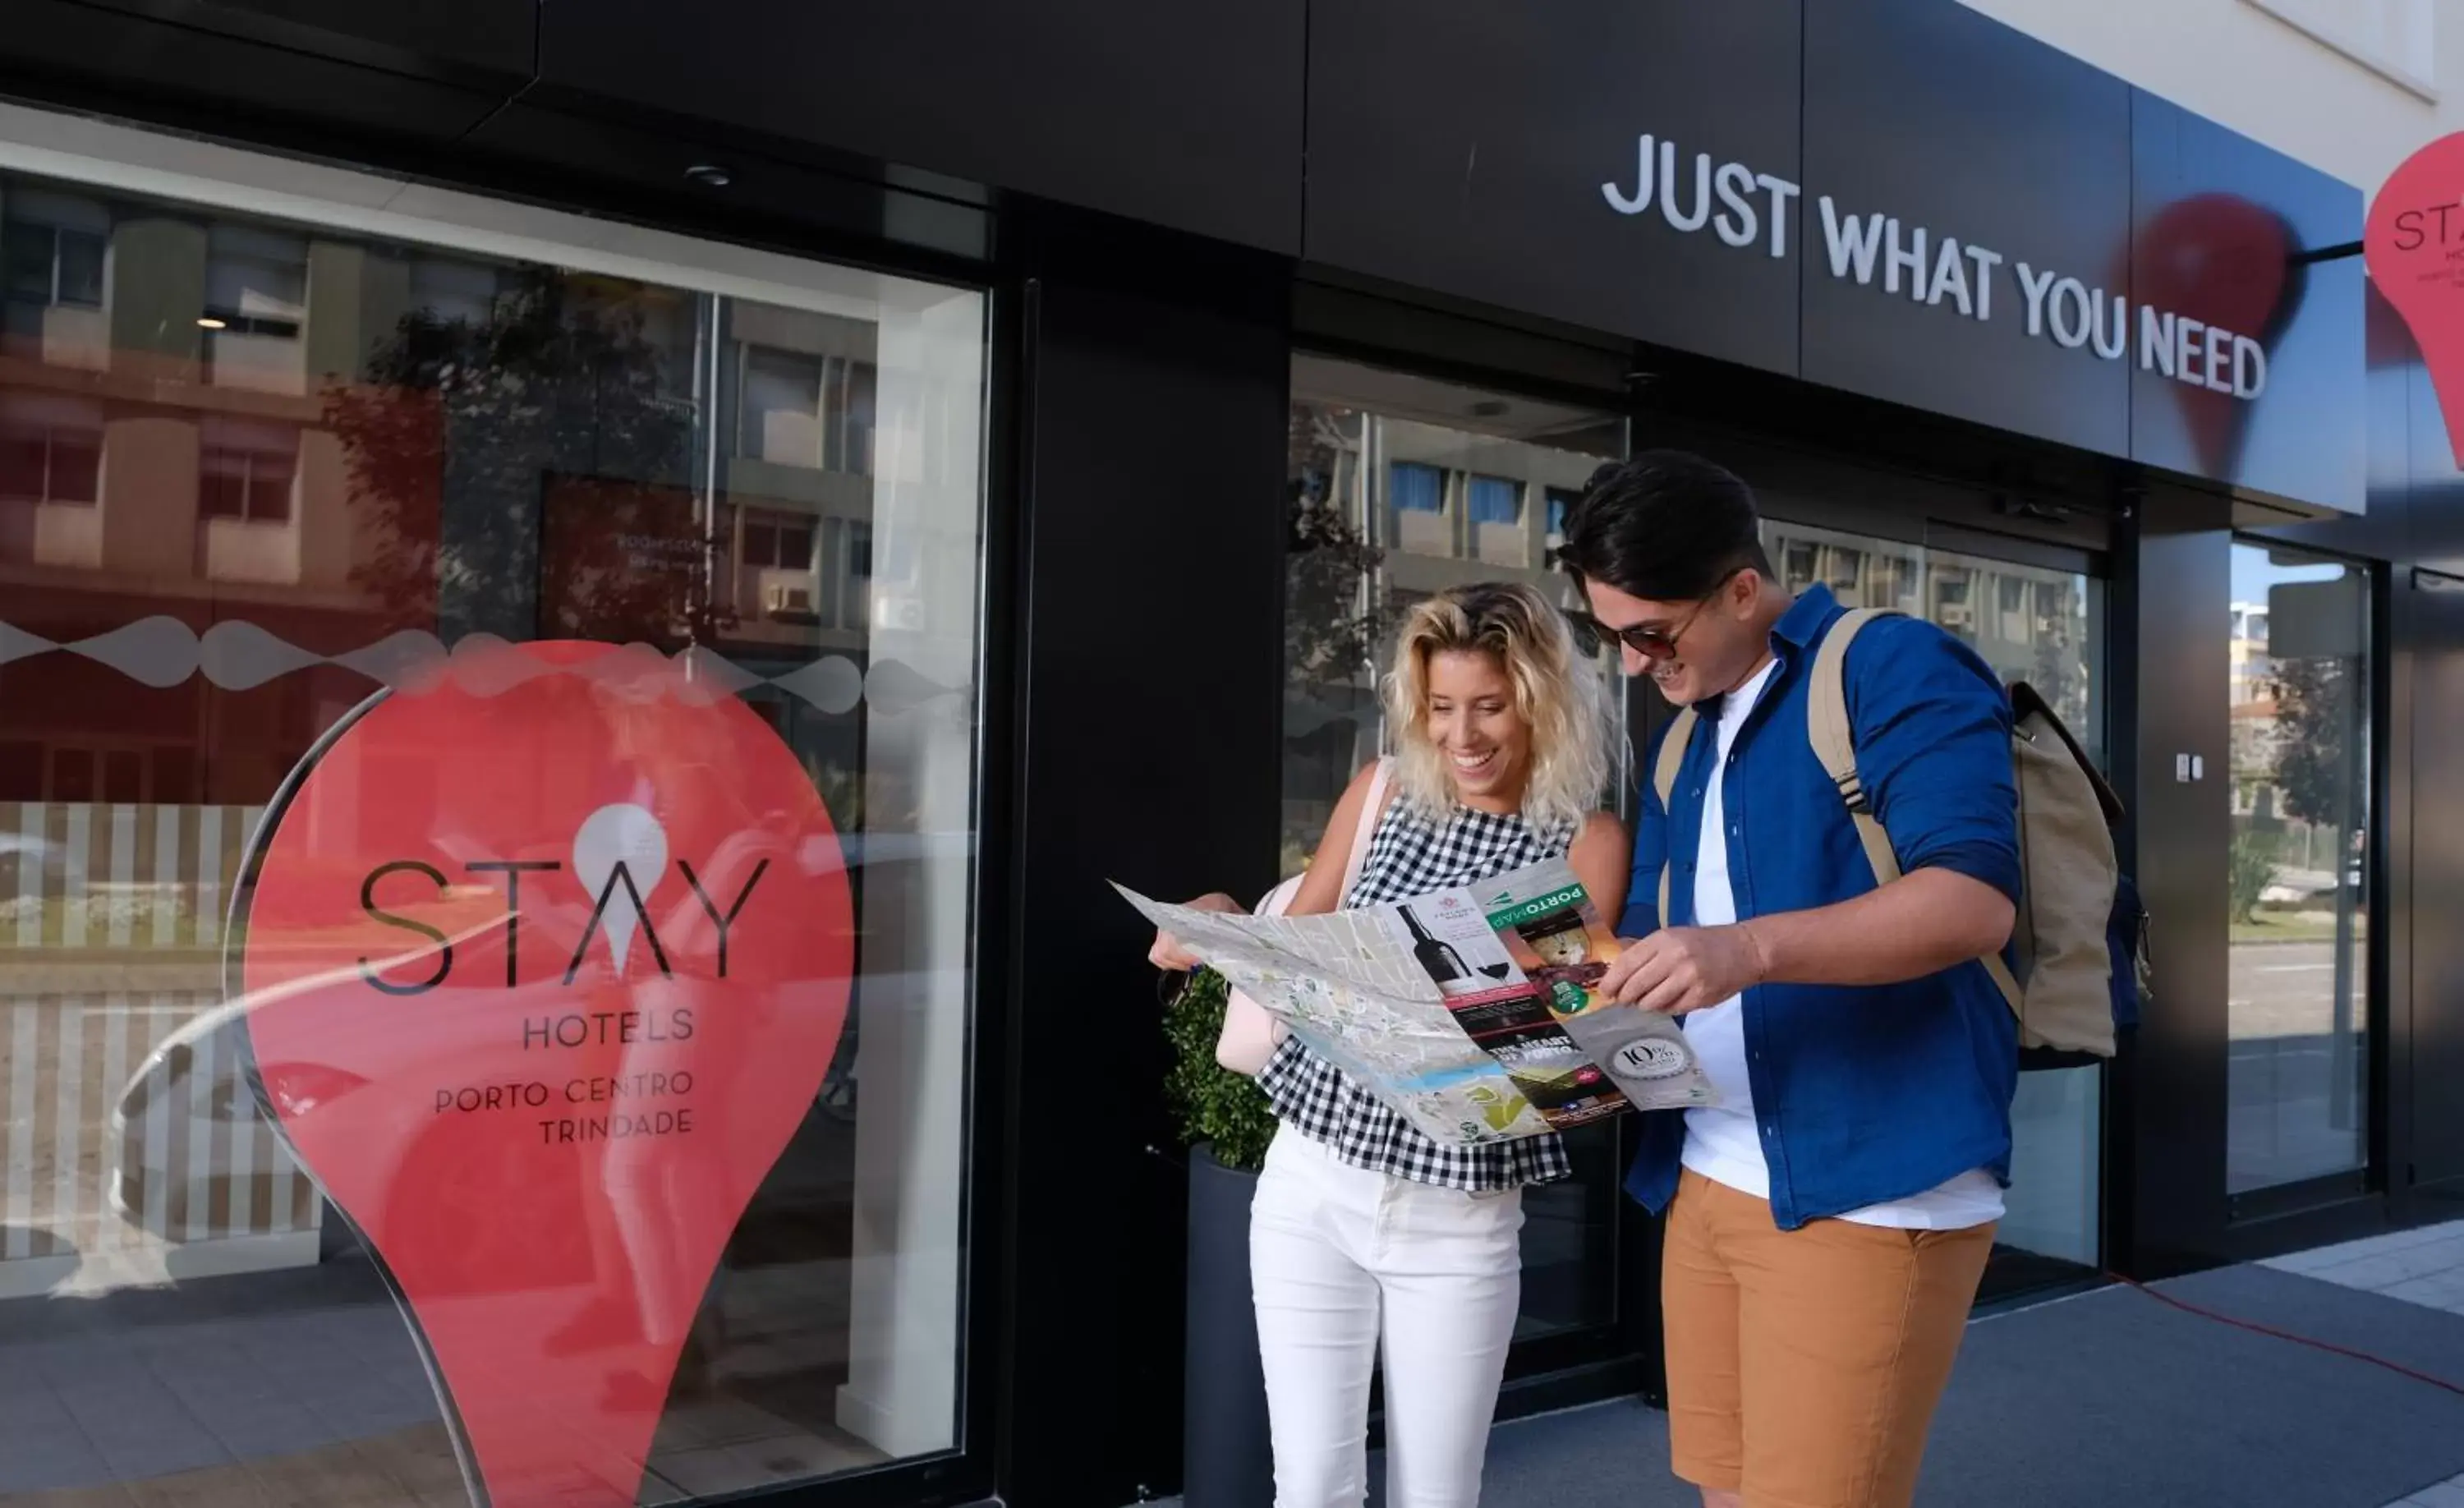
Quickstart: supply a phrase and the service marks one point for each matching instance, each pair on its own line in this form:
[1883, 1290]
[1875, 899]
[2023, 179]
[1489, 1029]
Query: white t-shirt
[1723, 1141]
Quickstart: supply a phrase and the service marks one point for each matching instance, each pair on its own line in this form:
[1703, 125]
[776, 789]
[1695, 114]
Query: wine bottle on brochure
[1443, 964]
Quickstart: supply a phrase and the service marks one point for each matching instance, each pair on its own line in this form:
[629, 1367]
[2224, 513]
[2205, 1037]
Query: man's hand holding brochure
[1473, 1013]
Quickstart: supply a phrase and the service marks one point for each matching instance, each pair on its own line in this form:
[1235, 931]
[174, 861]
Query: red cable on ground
[2314, 1345]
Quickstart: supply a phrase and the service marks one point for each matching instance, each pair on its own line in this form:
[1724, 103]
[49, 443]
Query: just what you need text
[1746, 209]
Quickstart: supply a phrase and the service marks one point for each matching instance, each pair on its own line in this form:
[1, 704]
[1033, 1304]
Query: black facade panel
[2217, 220]
[1186, 116]
[425, 37]
[1471, 148]
[654, 163]
[2437, 497]
[2437, 1057]
[2171, 1125]
[1152, 690]
[85, 55]
[1946, 125]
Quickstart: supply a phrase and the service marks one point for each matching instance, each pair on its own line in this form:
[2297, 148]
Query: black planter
[1227, 1453]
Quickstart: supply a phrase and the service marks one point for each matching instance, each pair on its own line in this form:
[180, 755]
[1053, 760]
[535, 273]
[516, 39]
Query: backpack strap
[1835, 744]
[1664, 780]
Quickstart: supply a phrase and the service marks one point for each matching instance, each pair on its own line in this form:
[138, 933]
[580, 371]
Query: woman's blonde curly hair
[1559, 692]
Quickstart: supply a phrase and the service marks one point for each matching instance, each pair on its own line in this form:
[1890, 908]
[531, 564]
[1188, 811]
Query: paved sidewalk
[2424, 1267]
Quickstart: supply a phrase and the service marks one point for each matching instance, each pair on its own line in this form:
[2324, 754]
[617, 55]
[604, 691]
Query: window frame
[844, 408]
[58, 235]
[621, 240]
[2374, 987]
[252, 460]
[50, 433]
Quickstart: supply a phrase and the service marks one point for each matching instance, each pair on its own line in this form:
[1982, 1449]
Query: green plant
[1211, 1103]
[2252, 869]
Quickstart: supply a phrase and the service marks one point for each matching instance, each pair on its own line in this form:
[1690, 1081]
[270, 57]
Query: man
[1830, 1217]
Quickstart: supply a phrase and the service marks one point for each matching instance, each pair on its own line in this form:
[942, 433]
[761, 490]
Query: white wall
[2239, 63]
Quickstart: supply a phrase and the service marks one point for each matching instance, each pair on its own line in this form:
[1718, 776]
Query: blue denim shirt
[1864, 1094]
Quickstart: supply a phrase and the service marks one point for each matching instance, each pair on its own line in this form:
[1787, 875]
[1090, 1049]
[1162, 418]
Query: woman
[1363, 1230]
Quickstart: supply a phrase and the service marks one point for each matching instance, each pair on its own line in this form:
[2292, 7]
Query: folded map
[1473, 1012]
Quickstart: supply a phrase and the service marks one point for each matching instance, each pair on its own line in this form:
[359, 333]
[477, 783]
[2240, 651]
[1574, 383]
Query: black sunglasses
[1650, 643]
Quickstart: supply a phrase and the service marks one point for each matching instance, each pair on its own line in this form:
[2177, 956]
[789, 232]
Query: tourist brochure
[1473, 1013]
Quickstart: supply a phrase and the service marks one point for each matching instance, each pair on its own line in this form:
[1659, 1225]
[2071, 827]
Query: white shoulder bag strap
[1250, 1033]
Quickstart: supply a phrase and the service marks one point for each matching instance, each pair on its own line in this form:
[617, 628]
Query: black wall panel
[1188, 115]
[2436, 1067]
[766, 198]
[1463, 147]
[232, 78]
[1152, 684]
[2218, 220]
[1949, 125]
[486, 37]
[2176, 600]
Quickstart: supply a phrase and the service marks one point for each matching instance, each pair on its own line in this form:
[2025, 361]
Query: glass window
[257, 280]
[27, 260]
[453, 290]
[783, 395]
[854, 591]
[859, 552]
[49, 265]
[778, 541]
[1422, 525]
[1798, 560]
[847, 434]
[2300, 792]
[1496, 500]
[79, 269]
[246, 471]
[808, 408]
[2059, 650]
[1561, 499]
[1345, 591]
[514, 453]
[1496, 510]
[51, 451]
[1419, 489]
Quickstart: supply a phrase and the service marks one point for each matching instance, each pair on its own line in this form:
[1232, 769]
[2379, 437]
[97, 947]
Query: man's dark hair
[1666, 526]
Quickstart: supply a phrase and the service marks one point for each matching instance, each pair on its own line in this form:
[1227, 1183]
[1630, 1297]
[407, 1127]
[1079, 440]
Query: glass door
[2044, 624]
[2300, 663]
[1401, 487]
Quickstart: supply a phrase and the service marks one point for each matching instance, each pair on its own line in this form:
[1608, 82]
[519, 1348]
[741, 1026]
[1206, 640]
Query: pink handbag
[1251, 1034]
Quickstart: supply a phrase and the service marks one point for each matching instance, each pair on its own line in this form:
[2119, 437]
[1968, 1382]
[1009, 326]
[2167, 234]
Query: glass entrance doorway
[1401, 487]
[2045, 626]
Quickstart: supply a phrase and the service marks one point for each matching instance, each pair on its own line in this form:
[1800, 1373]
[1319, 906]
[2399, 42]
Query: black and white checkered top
[1412, 855]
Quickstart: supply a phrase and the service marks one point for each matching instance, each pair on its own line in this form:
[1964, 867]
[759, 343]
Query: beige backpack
[2062, 989]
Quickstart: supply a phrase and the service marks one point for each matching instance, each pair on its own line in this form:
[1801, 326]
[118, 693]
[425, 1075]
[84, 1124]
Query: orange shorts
[1804, 1365]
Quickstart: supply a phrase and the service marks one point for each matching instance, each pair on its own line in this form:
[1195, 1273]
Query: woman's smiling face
[1474, 723]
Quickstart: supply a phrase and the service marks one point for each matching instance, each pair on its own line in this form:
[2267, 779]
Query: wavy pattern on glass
[236, 656]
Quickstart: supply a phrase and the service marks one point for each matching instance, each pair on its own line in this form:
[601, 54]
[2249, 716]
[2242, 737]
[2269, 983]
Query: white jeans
[1341, 1259]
